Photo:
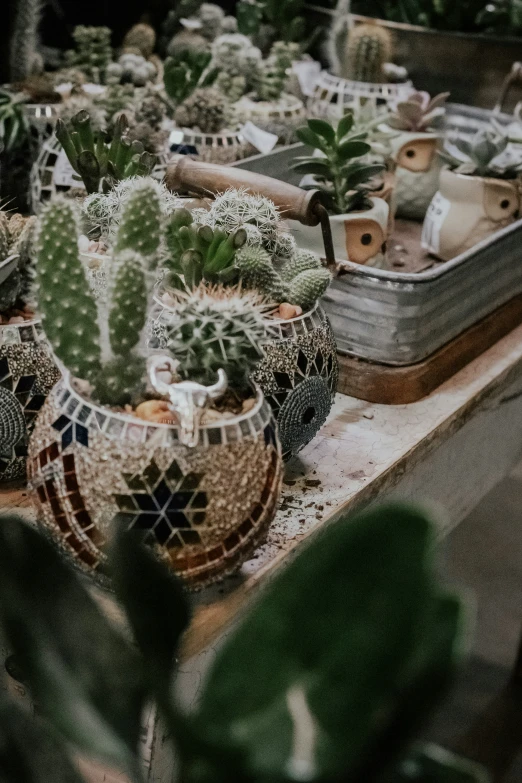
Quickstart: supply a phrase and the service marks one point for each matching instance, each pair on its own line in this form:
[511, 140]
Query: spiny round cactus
[217, 328]
[369, 47]
[211, 17]
[308, 286]
[69, 313]
[283, 246]
[205, 110]
[234, 87]
[235, 54]
[187, 41]
[141, 37]
[140, 222]
[236, 208]
[131, 69]
[299, 262]
[257, 272]
[128, 295]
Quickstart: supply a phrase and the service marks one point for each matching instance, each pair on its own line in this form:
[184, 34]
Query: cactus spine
[69, 314]
[369, 47]
[24, 57]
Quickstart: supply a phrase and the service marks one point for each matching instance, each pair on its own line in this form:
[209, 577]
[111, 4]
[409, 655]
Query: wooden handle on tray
[207, 179]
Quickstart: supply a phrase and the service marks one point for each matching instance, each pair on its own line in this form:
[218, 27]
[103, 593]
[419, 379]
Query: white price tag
[260, 139]
[63, 173]
[435, 216]
[307, 72]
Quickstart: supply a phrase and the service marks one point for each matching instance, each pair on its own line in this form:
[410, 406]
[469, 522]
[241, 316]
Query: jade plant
[97, 163]
[419, 112]
[340, 169]
[326, 677]
[101, 348]
[16, 246]
[483, 155]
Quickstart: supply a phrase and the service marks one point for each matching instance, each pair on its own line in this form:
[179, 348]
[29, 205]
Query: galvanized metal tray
[397, 318]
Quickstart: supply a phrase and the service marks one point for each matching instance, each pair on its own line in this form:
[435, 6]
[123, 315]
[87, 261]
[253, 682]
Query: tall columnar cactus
[24, 57]
[97, 163]
[140, 226]
[272, 75]
[301, 281]
[217, 328]
[183, 73]
[369, 47]
[68, 311]
[93, 52]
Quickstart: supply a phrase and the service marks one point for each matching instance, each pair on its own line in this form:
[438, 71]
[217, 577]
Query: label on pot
[260, 139]
[435, 216]
[63, 172]
[307, 72]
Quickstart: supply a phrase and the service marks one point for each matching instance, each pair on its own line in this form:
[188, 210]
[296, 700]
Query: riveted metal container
[398, 318]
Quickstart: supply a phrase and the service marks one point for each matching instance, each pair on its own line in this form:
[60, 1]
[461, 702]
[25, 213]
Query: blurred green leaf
[312, 166]
[344, 126]
[30, 752]
[352, 149]
[85, 676]
[355, 174]
[431, 764]
[333, 653]
[307, 136]
[323, 129]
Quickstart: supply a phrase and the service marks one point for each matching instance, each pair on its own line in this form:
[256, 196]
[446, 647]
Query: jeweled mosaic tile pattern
[204, 510]
[298, 374]
[27, 374]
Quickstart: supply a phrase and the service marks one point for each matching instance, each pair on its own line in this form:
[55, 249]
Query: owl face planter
[27, 375]
[203, 507]
[466, 210]
[298, 373]
[359, 237]
[417, 173]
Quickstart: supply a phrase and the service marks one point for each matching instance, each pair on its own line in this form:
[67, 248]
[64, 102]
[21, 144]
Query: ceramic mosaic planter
[221, 148]
[27, 375]
[298, 374]
[204, 509]
[281, 117]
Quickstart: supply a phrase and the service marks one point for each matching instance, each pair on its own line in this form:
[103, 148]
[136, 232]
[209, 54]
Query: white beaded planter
[281, 117]
[226, 147]
[46, 183]
[42, 118]
[333, 95]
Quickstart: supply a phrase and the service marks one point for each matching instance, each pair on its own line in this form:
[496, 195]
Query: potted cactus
[414, 152]
[242, 239]
[479, 193]
[27, 370]
[340, 167]
[152, 444]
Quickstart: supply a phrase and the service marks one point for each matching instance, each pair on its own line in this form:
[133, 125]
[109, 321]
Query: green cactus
[235, 54]
[68, 311]
[308, 287]
[97, 163]
[128, 302]
[121, 381]
[93, 52]
[205, 110]
[369, 47]
[300, 261]
[234, 87]
[140, 226]
[257, 272]
[182, 74]
[237, 208]
[272, 76]
[217, 328]
[25, 59]
[5, 239]
[140, 38]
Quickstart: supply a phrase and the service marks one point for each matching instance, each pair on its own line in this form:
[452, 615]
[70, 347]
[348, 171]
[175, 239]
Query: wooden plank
[400, 385]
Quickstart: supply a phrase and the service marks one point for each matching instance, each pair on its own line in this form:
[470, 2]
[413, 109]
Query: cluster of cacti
[183, 73]
[237, 208]
[16, 240]
[301, 281]
[205, 110]
[483, 155]
[211, 18]
[419, 112]
[24, 56]
[131, 68]
[98, 163]
[146, 120]
[99, 347]
[197, 252]
[77, 103]
[235, 55]
[73, 76]
[234, 87]
[115, 99]
[217, 328]
[267, 20]
[93, 53]
[102, 211]
[140, 39]
[272, 74]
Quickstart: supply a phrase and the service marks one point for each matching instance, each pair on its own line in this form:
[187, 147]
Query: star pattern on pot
[71, 431]
[305, 367]
[20, 402]
[167, 505]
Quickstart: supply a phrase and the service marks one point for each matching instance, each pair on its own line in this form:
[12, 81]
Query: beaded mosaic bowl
[332, 95]
[298, 374]
[281, 117]
[27, 374]
[203, 509]
[221, 148]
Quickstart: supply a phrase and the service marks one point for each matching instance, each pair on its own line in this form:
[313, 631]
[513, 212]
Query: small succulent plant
[272, 74]
[93, 52]
[131, 68]
[419, 112]
[486, 154]
[214, 328]
[206, 110]
[97, 163]
[338, 170]
[101, 348]
[182, 74]
[16, 243]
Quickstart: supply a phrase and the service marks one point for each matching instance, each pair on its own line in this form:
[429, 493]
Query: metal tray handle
[513, 77]
[206, 179]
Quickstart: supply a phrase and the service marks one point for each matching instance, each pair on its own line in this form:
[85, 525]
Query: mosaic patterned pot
[298, 374]
[221, 148]
[281, 117]
[204, 509]
[27, 375]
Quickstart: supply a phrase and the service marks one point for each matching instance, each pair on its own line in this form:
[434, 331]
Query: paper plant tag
[63, 173]
[435, 217]
[307, 72]
[260, 139]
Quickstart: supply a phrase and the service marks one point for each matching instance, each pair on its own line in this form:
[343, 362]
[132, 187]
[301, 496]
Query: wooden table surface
[368, 451]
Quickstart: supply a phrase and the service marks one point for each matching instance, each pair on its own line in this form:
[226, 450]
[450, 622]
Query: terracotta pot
[359, 237]
[281, 117]
[417, 173]
[204, 509]
[27, 375]
[298, 374]
[467, 210]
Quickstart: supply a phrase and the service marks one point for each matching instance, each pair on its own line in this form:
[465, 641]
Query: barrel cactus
[205, 110]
